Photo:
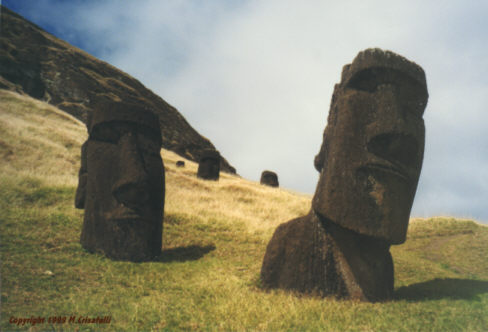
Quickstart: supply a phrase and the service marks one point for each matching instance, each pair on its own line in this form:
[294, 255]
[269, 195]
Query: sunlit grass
[215, 235]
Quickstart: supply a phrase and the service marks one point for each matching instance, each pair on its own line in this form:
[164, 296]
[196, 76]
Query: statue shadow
[184, 254]
[436, 289]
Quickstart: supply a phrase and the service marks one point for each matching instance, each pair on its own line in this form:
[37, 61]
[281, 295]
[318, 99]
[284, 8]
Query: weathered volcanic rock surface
[208, 167]
[35, 62]
[269, 178]
[369, 165]
[302, 257]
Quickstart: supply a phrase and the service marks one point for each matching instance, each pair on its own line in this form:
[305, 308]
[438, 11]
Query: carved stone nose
[396, 148]
[131, 195]
[131, 187]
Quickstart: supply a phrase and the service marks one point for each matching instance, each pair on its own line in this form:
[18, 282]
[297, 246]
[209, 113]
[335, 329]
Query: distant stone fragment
[369, 165]
[209, 166]
[121, 183]
[180, 163]
[269, 178]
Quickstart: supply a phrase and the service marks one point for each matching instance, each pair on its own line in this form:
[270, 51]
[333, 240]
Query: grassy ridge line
[215, 234]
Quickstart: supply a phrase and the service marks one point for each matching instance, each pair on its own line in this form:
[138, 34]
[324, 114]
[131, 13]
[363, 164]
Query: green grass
[215, 235]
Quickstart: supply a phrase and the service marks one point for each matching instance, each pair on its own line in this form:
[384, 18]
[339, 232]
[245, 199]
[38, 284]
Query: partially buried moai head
[269, 178]
[121, 182]
[373, 146]
[209, 165]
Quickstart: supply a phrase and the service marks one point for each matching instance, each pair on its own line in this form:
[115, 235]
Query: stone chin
[145, 214]
[122, 213]
[387, 197]
[380, 205]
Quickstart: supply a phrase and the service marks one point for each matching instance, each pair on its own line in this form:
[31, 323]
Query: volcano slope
[47, 68]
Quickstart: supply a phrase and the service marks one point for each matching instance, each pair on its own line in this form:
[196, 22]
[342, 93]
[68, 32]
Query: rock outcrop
[35, 62]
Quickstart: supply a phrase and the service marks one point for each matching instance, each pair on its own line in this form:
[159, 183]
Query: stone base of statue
[310, 256]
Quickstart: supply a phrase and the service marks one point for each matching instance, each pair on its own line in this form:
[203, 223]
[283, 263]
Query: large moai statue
[209, 165]
[269, 178]
[121, 183]
[369, 165]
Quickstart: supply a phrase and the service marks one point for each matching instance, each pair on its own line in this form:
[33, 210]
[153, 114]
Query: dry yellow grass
[38, 140]
[231, 198]
[41, 141]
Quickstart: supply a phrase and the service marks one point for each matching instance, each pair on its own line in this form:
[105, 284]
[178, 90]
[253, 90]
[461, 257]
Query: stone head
[373, 146]
[269, 178]
[121, 182]
[209, 165]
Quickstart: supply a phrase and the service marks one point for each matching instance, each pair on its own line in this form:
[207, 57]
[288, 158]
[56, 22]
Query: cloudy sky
[256, 77]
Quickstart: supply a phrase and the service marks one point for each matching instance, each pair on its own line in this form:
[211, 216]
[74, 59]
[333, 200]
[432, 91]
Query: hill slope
[47, 68]
[215, 234]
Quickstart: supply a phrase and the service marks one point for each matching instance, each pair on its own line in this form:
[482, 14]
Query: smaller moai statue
[209, 165]
[269, 178]
[121, 183]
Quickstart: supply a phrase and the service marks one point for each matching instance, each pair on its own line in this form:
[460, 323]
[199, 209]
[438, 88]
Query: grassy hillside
[215, 235]
[47, 68]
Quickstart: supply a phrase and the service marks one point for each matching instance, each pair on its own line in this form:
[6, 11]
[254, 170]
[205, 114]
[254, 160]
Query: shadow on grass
[183, 254]
[442, 288]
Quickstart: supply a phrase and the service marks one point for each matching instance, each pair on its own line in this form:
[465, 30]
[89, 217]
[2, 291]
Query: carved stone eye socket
[369, 80]
[376, 80]
[107, 132]
[111, 132]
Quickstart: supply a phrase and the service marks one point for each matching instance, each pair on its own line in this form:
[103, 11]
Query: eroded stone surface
[300, 257]
[369, 164]
[121, 183]
[373, 146]
[209, 165]
[269, 178]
